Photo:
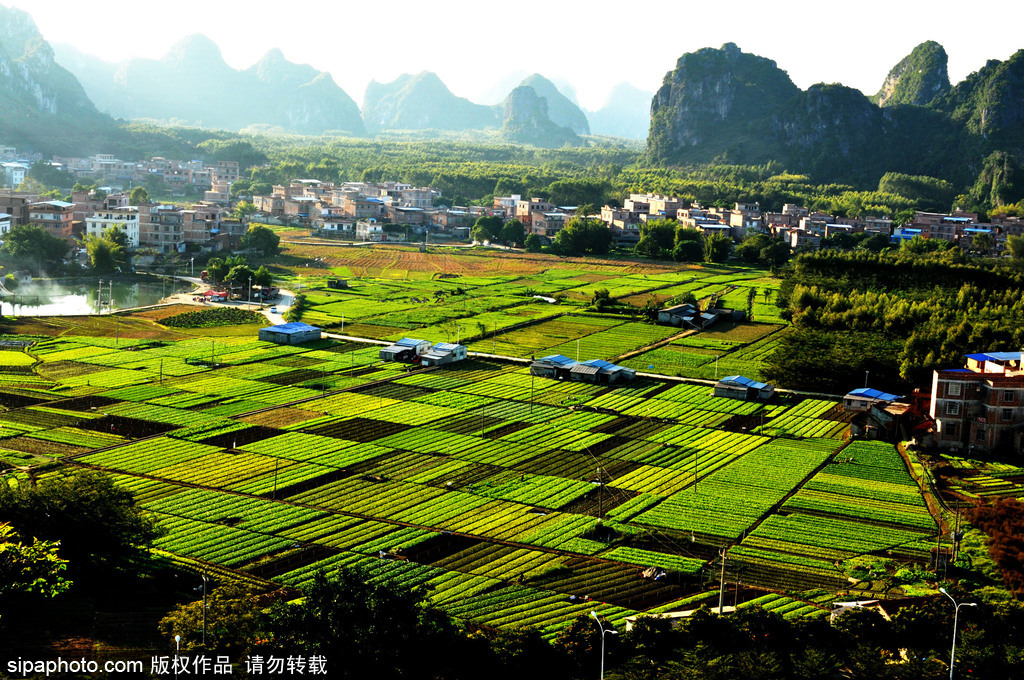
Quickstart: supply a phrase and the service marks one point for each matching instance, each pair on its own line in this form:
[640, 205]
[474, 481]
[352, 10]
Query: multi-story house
[126, 218]
[5, 223]
[16, 204]
[980, 406]
[527, 210]
[13, 174]
[54, 216]
[548, 223]
[86, 203]
[161, 227]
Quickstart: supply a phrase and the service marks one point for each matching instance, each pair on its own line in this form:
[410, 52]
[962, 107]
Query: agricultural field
[523, 306]
[513, 500]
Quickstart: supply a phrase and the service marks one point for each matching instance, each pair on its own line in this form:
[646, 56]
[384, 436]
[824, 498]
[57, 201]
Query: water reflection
[53, 298]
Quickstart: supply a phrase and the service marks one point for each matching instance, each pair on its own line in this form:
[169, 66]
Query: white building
[103, 220]
[369, 231]
[5, 223]
[14, 174]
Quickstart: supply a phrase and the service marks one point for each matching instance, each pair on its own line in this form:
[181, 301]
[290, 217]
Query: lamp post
[956, 613]
[604, 632]
[191, 266]
[177, 653]
[249, 306]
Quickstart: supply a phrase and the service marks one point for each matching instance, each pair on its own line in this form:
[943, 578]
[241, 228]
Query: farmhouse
[688, 315]
[678, 315]
[738, 387]
[555, 366]
[294, 333]
[592, 371]
[862, 399]
[980, 406]
[444, 353]
[406, 349]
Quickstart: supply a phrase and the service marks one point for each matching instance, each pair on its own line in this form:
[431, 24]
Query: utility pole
[721, 586]
[600, 494]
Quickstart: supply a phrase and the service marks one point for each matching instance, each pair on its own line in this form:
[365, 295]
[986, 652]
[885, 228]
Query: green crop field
[515, 501]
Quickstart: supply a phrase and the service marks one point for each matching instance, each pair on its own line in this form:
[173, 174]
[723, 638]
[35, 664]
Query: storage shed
[678, 315]
[609, 373]
[739, 387]
[864, 398]
[406, 349]
[554, 366]
[444, 353]
[294, 333]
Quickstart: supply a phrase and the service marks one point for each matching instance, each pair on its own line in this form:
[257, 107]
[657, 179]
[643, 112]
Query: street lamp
[250, 293]
[956, 613]
[177, 653]
[191, 266]
[604, 632]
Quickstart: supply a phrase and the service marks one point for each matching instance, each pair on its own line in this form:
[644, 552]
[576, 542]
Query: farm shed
[864, 398]
[406, 349]
[444, 353]
[554, 366]
[678, 315]
[294, 333]
[608, 373]
[739, 387]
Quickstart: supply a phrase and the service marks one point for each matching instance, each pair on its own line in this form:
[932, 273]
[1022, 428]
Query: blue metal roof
[600, 363]
[290, 328]
[445, 347]
[558, 360]
[995, 356]
[409, 342]
[746, 382]
[872, 393]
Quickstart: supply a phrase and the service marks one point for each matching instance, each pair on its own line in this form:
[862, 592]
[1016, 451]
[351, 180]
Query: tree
[583, 236]
[104, 254]
[876, 243]
[1015, 244]
[139, 196]
[486, 228]
[533, 244]
[241, 274]
[648, 246]
[96, 521]
[364, 628]
[30, 243]
[232, 616]
[262, 240]
[982, 244]
[243, 209]
[663, 231]
[262, 276]
[216, 269]
[513, 232]
[50, 175]
[717, 248]
[30, 567]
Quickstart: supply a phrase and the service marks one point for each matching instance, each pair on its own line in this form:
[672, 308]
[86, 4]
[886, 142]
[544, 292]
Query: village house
[980, 406]
[126, 218]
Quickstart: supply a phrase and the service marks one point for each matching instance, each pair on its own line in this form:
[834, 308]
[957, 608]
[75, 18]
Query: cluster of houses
[413, 351]
[208, 223]
[803, 228]
[599, 371]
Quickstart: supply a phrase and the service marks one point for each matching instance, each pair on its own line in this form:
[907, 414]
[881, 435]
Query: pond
[65, 298]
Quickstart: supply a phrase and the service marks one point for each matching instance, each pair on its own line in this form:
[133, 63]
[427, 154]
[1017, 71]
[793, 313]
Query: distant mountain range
[193, 85]
[38, 96]
[717, 105]
[728, 106]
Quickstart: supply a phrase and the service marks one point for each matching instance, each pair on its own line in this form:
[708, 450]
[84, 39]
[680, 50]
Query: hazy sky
[475, 46]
